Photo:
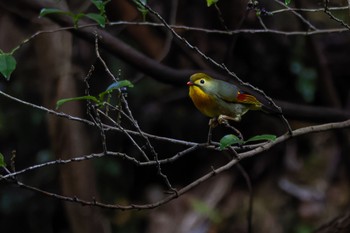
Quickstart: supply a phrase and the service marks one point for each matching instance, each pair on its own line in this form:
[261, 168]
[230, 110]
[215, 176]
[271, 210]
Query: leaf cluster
[99, 17]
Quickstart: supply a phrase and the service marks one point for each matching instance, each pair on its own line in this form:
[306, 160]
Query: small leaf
[87, 97]
[46, 11]
[140, 7]
[76, 18]
[116, 85]
[263, 137]
[7, 65]
[229, 140]
[2, 161]
[211, 2]
[101, 20]
[287, 2]
[257, 12]
[119, 84]
[99, 4]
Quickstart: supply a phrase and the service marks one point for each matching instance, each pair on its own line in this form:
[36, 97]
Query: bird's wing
[247, 99]
[226, 91]
[230, 93]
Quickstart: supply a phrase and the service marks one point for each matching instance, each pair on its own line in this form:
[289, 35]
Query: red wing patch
[247, 99]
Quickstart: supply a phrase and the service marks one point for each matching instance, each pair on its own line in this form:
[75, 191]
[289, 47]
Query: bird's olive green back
[226, 91]
[215, 87]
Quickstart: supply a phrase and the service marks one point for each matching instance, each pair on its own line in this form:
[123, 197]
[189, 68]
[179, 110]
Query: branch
[107, 41]
[298, 15]
[264, 147]
[90, 123]
[329, 13]
[160, 72]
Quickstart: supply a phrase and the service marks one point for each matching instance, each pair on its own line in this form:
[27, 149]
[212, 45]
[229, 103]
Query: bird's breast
[203, 102]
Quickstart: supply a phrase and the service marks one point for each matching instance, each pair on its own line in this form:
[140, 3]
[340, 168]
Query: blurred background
[298, 186]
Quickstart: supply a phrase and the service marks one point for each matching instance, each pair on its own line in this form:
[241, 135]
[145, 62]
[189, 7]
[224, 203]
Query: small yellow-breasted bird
[219, 99]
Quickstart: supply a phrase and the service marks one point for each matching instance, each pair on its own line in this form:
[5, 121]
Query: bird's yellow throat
[203, 102]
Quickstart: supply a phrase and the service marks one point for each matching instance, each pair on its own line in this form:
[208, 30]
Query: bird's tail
[271, 108]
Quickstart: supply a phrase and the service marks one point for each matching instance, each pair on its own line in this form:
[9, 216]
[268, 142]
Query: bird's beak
[189, 83]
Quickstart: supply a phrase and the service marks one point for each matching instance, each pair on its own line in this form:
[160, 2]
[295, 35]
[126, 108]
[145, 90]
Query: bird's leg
[222, 119]
[212, 124]
[209, 134]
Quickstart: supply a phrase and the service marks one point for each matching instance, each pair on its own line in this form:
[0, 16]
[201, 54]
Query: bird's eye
[202, 81]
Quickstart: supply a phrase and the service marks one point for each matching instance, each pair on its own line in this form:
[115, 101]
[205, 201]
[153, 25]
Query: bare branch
[264, 147]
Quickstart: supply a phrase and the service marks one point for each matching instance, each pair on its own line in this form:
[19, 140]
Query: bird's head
[202, 81]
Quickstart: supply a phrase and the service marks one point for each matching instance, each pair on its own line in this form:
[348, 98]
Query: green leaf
[86, 97]
[142, 8]
[229, 140]
[7, 64]
[47, 11]
[99, 4]
[211, 2]
[119, 84]
[116, 85]
[263, 137]
[76, 18]
[101, 20]
[287, 2]
[2, 161]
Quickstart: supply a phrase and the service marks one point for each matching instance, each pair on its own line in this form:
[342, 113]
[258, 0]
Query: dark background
[297, 186]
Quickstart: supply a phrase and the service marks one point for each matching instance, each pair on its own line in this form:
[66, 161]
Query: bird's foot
[223, 119]
[213, 122]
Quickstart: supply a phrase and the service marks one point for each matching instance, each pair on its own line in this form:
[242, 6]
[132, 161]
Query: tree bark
[68, 138]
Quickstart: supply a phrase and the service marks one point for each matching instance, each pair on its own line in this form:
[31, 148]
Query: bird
[220, 100]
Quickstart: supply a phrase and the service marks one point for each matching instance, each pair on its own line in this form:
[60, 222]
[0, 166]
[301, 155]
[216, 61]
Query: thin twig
[169, 36]
[262, 23]
[92, 109]
[66, 161]
[231, 32]
[49, 111]
[298, 15]
[109, 153]
[88, 122]
[143, 153]
[221, 18]
[233, 154]
[250, 190]
[329, 13]
[97, 51]
[313, 10]
[211, 31]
